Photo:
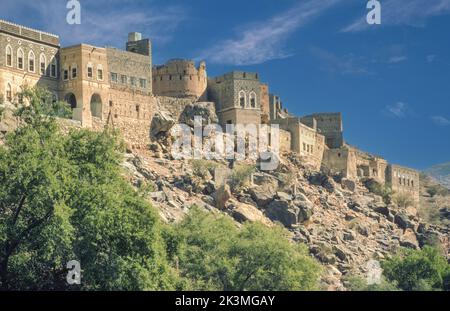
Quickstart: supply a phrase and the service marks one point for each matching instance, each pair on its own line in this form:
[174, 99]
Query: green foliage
[432, 191]
[379, 189]
[241, 176]
[62, 198]
[425, 269]
[217, 255]
[403, 200]
[202, 168]
[359, 284]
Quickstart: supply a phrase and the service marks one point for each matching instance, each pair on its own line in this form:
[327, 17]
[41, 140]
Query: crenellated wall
[180, 78]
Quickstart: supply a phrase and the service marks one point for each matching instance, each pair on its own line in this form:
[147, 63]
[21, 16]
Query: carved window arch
[253, 100]
[20, 56]
[31, 62]
[43, 64]
[242, 99]
[8, 92]
[9, 56]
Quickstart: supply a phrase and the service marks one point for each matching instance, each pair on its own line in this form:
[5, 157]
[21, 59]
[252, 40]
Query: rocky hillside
[343, 224]
[441, 173]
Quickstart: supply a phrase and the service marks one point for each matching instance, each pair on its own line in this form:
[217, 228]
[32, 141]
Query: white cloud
[103, 22]
[431, 58]
[440, 120]
[264, 40]
[398, 110]
[348, 64]
[401, 12]
[397, 59]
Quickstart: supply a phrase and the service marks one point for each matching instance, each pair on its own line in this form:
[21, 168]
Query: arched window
[43, 64]
[9, 92]
[242, 101]
[31, 61]
[53, 68]
[20, 58]
[253, 101]
[9, 56]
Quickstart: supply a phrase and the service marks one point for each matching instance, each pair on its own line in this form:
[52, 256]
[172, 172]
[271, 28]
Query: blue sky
[392, 81]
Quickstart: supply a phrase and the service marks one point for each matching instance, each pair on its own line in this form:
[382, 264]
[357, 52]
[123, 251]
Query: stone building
[403, 180]
[305, 141]
[265, 104]
[329, 125]
[112, 87]
[180, 78]
[237, 96]
[28, 57]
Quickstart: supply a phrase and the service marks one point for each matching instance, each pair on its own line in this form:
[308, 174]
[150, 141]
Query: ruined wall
[329, 125]
[175, 106]
[265, 109]
[180, 78]
[404, 180]
[305, 141]
[285, 141]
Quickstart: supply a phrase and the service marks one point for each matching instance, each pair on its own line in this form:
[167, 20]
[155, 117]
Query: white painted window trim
[42, 56]
[9, 48]
[245, 99]
[31, 56]
[19, 53]
[252, 93]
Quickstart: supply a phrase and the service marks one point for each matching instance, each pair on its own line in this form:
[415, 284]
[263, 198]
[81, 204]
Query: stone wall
[265, 109]
[13, 78]
[404, 181]
[329, 125]
[180, 78]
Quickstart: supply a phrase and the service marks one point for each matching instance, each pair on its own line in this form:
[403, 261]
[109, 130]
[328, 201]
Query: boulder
[348, 184]
[283, 196]
[283, 212]
[242, 212]
[403, 221]
[162, 123]
[261, 196]
[382, 209]
[222, 196]
[306, 211]
[206, 110]
[321, 179]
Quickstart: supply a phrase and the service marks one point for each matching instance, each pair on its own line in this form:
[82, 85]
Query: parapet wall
[180, 78]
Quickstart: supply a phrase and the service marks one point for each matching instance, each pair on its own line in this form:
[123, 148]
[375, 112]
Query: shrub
[403, 200]
[216, 254]
[241, 176]
[379, 189]
[201, 168]
[425, 269]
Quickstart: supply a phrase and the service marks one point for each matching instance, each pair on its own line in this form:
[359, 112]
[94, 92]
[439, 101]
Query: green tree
[425, 269]
[214, 254]
[63, 198]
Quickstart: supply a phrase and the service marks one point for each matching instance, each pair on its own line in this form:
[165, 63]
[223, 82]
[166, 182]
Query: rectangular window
[66, 74]
[90, 72]
[9, 60]
[74, 73]
[133, 81]
[9, 95]
[114, 77]
[20, 62]
[53, 70]
[31, 65]
[143, 83]
[100, 74]
[43, 68]
[123, 79]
